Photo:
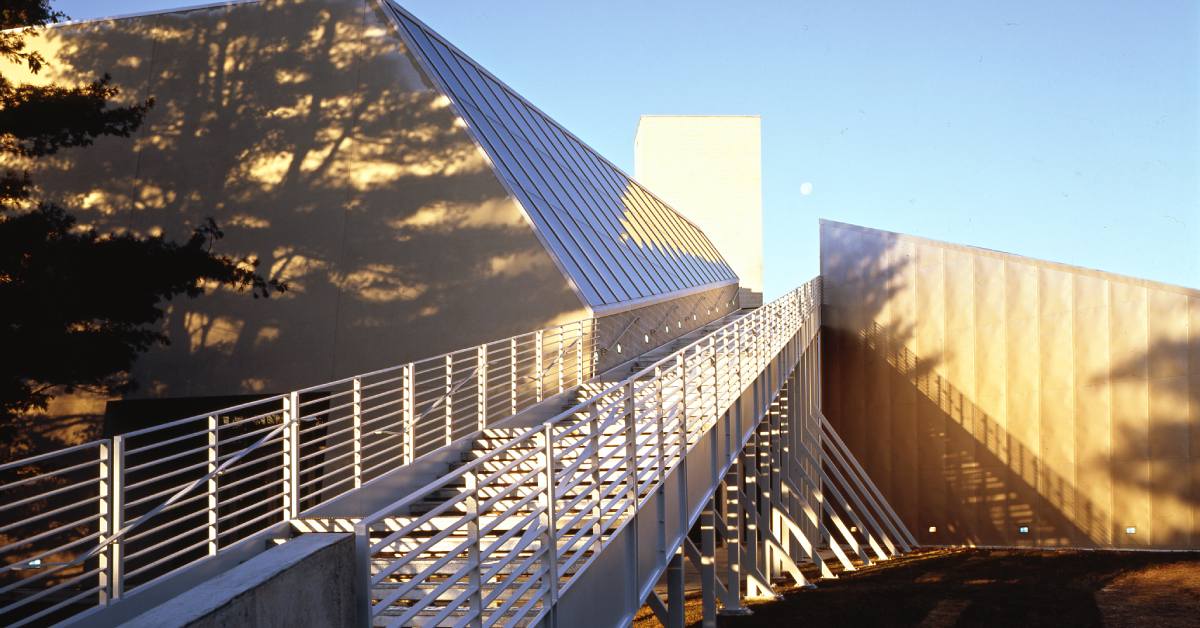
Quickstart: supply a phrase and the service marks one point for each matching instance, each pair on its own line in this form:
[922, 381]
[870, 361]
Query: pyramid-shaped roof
[619, 244]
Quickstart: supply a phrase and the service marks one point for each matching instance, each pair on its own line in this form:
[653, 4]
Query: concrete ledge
[307, 581]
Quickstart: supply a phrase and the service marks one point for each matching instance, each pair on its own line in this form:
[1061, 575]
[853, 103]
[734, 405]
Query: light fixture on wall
[1130, 529]
[1023, 530]
[932, 529]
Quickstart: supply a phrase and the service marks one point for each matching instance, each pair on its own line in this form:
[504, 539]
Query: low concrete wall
[307, 581]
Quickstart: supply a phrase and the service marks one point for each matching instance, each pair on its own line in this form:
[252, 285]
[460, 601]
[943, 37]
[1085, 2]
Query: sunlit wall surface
[311, 134]
[710, 169]
[1003, 400]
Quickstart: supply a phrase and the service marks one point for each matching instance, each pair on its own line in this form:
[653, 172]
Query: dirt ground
[972, 587]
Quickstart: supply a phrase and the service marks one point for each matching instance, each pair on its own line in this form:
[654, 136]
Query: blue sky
[1068, 131]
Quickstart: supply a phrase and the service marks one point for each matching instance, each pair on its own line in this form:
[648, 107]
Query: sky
[1067, 131]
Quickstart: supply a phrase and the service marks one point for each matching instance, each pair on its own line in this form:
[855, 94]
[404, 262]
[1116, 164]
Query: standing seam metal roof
[619, 244]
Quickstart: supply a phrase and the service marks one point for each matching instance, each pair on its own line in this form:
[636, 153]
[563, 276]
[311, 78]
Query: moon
[805, 188]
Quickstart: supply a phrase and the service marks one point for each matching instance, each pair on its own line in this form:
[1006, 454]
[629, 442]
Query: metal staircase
[573, 520]
[525, 488]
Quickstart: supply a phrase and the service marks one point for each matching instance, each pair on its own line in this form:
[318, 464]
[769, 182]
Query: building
[710, 169]
[413, 203]
[1003, 400]
[915, 393]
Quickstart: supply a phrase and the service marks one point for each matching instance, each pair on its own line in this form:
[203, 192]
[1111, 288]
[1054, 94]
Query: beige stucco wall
[709, 168]
[985, 391]
[309, 134]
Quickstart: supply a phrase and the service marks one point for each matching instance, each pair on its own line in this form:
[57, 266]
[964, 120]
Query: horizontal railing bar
[159, 478]
[46, 456]
[130, 556]
[39, 576]
[43, 593]
[144, 568]
[57, 472]
[93, 591]
[92, 503]
[204, 416]
[274, 512]
[57, 491]
[241, 496]
[129, 451]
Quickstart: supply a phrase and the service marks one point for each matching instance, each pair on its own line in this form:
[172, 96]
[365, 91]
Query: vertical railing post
[660, 418]
[211, 471]
[291, 456]
[356, 431]
[112, 515]
[481, 387]
[537, 357]
[738, 348]
[408, 437]
[681, 364]
[447, 400]
[631, 462]
[558, 360]
[595, 364]
[597, 489]
[512, 373]
[545, 445]
[474, 554]
[579, 356]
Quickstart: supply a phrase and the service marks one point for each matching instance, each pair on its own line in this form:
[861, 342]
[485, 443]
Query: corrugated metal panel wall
[985, 392]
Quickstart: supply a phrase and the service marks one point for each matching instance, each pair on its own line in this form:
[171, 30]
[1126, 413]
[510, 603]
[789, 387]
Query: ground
[974, 587]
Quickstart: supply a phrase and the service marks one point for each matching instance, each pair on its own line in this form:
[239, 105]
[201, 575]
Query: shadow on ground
[971, 587]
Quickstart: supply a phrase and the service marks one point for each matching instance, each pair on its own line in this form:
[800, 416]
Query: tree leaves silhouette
[78, 306]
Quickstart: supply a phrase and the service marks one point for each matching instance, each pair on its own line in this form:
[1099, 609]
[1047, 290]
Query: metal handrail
[356, 403]
[690, 373]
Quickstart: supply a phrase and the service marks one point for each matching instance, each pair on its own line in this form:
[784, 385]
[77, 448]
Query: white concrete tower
[709, 168]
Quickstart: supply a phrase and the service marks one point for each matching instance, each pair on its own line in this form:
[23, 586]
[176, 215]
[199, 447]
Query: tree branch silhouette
[81, 305]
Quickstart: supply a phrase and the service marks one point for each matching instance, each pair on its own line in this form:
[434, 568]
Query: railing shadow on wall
[962, 455]
[959, 474]
[984, 465]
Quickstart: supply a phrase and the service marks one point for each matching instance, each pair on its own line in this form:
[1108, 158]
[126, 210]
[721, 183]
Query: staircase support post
[733, 542]
[473, 551]
[546, 483]
[675, 597]
[708, 567]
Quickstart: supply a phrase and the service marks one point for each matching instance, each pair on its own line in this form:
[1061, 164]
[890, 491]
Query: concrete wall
[307, 131]
[985, 391]
[709, 168]
[307, 581]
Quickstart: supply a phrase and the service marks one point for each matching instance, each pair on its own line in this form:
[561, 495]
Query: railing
[84, 526]
[538, 503]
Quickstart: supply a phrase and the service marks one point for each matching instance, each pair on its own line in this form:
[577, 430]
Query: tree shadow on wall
[943, 463]
[309, 135]
[1166, 437]
[863, 274]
